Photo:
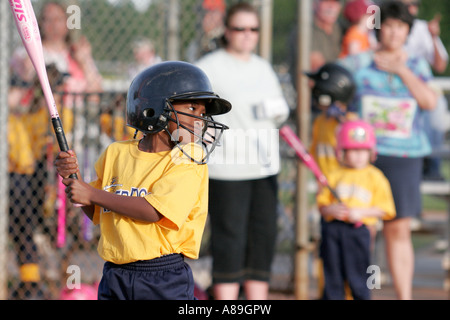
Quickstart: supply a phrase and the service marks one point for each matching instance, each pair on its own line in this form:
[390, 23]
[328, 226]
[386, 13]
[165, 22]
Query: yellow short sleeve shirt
[362, 188]
[177, 189]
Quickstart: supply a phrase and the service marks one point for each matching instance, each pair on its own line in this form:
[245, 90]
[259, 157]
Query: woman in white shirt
[243, 184]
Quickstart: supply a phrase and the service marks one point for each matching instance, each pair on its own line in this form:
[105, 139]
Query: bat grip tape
[61, 138]
[335, 195]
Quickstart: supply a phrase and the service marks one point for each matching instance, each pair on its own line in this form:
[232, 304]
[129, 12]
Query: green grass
[437, 203]
[433, 203]
[420, 241]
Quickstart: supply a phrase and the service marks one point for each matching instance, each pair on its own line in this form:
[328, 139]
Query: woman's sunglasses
[239, 29]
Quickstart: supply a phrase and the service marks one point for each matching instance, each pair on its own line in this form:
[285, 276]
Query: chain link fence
[50, 246]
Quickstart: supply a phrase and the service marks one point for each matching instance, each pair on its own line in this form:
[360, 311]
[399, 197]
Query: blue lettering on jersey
[134, 192]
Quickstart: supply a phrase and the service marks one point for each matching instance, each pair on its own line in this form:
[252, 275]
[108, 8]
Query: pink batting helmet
[356, 134]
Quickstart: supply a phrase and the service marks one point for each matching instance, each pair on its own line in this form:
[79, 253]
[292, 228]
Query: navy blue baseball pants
[165, 278]
[345, 252]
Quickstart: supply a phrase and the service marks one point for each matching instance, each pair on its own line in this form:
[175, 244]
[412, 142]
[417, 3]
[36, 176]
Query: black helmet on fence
[152, 92]
[332, 83]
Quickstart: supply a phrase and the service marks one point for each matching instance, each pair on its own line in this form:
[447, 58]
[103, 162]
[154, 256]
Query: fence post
[173, 45]
[5, 32]
[303, 124]
[266, 29]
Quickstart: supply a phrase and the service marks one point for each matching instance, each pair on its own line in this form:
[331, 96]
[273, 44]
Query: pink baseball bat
[28, 28]
[295, 143]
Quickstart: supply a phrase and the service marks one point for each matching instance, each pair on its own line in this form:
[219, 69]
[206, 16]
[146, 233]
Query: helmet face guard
[207, 133]
[150, 108]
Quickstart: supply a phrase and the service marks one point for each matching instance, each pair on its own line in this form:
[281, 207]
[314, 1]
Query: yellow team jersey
[20, 152]
[177, 189]
[360, 188]
[323, 143]
[28, 134]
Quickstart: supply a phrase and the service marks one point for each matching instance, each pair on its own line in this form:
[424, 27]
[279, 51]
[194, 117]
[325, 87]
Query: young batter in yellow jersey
[178, 191]
[150, 196]
[366, 197]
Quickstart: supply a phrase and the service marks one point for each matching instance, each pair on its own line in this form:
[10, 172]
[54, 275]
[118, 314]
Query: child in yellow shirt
[366, 197]
[150, 196]
[333, 89]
